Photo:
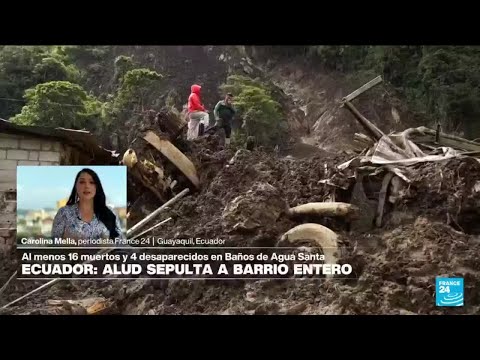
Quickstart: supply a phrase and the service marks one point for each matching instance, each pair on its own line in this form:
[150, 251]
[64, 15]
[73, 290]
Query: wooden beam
[8, 282]
[152, 228]
[156, 212]
[174, 155]
[362, 89]
[363, 140]
[381, 198]
[372, 130]
[444, 139]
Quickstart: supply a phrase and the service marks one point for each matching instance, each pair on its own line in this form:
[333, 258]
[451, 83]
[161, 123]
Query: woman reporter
[86, 215]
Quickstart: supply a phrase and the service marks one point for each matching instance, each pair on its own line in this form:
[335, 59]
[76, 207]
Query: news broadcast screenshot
[238, 180]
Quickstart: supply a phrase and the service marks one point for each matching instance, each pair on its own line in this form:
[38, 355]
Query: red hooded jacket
[194, 102]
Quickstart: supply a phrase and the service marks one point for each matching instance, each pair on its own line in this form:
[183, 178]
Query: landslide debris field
[430, 230]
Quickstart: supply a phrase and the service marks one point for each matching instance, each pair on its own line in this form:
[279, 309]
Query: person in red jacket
[198, 118]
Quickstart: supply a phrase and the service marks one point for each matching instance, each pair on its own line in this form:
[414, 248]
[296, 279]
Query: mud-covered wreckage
[372, 184]
[390, 160]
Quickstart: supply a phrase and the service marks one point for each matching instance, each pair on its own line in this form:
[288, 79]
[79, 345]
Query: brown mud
[243, 197]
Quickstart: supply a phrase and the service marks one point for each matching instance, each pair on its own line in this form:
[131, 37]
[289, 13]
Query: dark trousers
[222, 124]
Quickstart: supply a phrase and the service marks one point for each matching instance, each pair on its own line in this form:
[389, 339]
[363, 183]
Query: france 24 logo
[449, 291]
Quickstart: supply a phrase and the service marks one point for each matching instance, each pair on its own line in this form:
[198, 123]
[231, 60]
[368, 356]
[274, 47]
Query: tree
[139, 89]
[16, 68]
[23, 67]
[60, 104]
[53, 68]
[261, 114]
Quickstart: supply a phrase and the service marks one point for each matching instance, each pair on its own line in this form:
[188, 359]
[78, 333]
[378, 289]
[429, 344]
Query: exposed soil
[318, 117]
[243, 199]
[433, 229]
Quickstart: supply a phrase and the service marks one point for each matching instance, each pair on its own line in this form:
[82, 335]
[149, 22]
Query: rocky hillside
[113, 86]
[428, 228]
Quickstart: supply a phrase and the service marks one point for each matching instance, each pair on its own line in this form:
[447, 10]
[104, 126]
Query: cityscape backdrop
[42, 190]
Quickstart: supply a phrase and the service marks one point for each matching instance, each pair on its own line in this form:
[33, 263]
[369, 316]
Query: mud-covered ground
[430, 232]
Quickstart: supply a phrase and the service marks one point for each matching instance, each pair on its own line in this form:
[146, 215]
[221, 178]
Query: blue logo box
[449, 291]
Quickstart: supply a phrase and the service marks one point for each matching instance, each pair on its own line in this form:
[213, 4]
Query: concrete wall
[19, 150]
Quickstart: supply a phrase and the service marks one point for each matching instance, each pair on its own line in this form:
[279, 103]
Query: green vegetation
[261, 114]
[102, 87]
[439, 82]
[72, 86]
[60, 103]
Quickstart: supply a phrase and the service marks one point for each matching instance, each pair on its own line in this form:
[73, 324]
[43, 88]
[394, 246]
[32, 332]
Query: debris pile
[401, 212]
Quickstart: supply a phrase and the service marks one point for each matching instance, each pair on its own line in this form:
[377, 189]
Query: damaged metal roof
[80, 139]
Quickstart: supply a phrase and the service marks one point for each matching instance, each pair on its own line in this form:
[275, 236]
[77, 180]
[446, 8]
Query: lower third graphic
[449, 291]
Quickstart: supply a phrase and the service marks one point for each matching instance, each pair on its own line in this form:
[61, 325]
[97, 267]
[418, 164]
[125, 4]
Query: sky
[42, 186]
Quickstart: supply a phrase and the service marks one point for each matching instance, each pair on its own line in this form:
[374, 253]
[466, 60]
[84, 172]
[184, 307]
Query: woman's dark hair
[104, 214]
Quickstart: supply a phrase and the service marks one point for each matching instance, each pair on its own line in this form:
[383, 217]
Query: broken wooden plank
[371, 129]
[381, 198]
[44, 286]
[158, 211]
[444, 139]
[374, 131]
[363, 140]
[471, 153]
[175, 156]
[152, 228]
[8, 282]
[363, 88]
[48, 284]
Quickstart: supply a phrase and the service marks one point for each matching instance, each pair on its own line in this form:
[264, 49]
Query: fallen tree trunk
[374, 131]
[337, 209]
[371, 129]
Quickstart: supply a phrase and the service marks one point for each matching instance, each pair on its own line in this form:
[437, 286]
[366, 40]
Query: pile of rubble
[404, 211]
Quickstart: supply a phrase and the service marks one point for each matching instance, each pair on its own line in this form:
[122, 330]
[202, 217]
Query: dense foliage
[439, 82]
[260, 112]
[101, 87]
[60, 103]
[66, 86]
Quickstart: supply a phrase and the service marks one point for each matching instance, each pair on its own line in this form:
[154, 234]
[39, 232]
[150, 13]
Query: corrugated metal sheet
[81, 139]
